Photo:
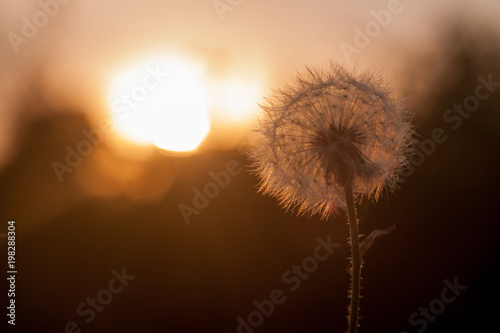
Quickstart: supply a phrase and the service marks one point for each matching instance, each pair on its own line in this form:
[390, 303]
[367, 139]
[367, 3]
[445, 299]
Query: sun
[161, 101]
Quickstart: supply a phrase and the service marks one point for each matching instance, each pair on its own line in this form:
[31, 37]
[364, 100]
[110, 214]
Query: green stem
[356, 261]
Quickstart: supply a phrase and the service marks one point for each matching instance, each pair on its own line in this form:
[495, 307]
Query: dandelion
[328, 139]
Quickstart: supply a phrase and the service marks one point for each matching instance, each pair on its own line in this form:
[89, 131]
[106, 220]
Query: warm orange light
[161, 102]
[235, 99]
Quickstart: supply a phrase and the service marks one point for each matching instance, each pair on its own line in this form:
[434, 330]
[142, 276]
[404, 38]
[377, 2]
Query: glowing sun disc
[162, 102]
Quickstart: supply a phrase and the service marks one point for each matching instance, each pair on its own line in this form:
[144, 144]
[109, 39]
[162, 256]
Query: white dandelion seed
[327, 139]
[326, 130]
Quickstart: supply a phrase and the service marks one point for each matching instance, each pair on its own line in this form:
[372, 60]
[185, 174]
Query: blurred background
[115, 115]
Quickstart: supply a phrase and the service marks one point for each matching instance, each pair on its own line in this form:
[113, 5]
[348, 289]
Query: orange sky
[85, 42]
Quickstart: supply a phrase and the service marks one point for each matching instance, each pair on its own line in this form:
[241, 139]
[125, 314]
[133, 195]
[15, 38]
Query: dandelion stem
[356, 261]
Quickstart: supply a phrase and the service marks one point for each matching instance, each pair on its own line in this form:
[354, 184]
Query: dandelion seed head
[328, 129]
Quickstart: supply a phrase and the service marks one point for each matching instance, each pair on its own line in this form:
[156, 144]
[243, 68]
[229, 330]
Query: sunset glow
[236, 98]
[161, 102]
